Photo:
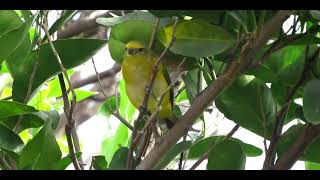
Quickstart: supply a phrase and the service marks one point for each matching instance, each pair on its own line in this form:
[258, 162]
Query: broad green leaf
[208, 15]
[11, 40]
[72, 52]
[15, 62]
[239, 17]
[196, 38]
[312, 165]
[306, 39]
[108, 105]
[227, 155]
[100, 163]
[32, 120]
[249, 103]
[12, 108]
[284, 65]
[9, 20]
[63, 163]
[60, 22]
[119, 159]
[118, 140]
[126, 108]
[311, 102]
[82, 94]
[202, 146]
[136, 15]
[3, 68]
[9, 140]
[290, 136]
[315, 14]
[167, 13]
[182, 96]
[42, 152]
[26, 14]
[173, 153]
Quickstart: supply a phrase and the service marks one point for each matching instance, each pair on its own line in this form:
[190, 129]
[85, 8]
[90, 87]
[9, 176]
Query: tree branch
[309, 134]
[83, 25]
[207, 96]
[94, 78]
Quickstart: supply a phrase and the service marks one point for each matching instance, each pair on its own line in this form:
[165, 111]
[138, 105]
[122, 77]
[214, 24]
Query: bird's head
[134, 48]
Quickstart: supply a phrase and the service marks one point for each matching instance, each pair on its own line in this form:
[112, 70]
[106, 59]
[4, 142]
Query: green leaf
[105, 108]
[82, 94]
[173, 153]
[32, 120]
[167, 13]
[15, 62]
[208, 15]
[202, 146]
[290, 136]
[60, 22]
[72, 52]
[249, 149]
[12, 108]
[9, 20]
[196, 38]
[42, 152]
[119, 159]
[136, 15]
[10, 141]
[126, 108]
[63, 163]
[312, 166]
[100, 163]
[315, 14]
[249, 103]
[11, 40]
[227, 155]
[118, 140]
[284, 65]
[239, 17]
[311, 102]
[191, 80]
[182, 96]
[26, 14]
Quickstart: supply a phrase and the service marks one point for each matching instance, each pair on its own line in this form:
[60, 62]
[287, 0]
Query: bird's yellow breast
[136, 71]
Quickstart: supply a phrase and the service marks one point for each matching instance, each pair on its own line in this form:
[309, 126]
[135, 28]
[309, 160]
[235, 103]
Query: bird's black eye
[126, 49]
[140, 49]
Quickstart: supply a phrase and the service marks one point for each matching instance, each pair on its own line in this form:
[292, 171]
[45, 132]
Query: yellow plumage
[137, 68]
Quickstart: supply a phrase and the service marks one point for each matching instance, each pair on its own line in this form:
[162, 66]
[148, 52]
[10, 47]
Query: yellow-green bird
[137, 68]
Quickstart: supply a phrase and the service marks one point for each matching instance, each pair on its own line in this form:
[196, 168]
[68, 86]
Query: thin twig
[205, 156]
[155, 30]
[70, 130]
[68, 126]
[115, 113]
